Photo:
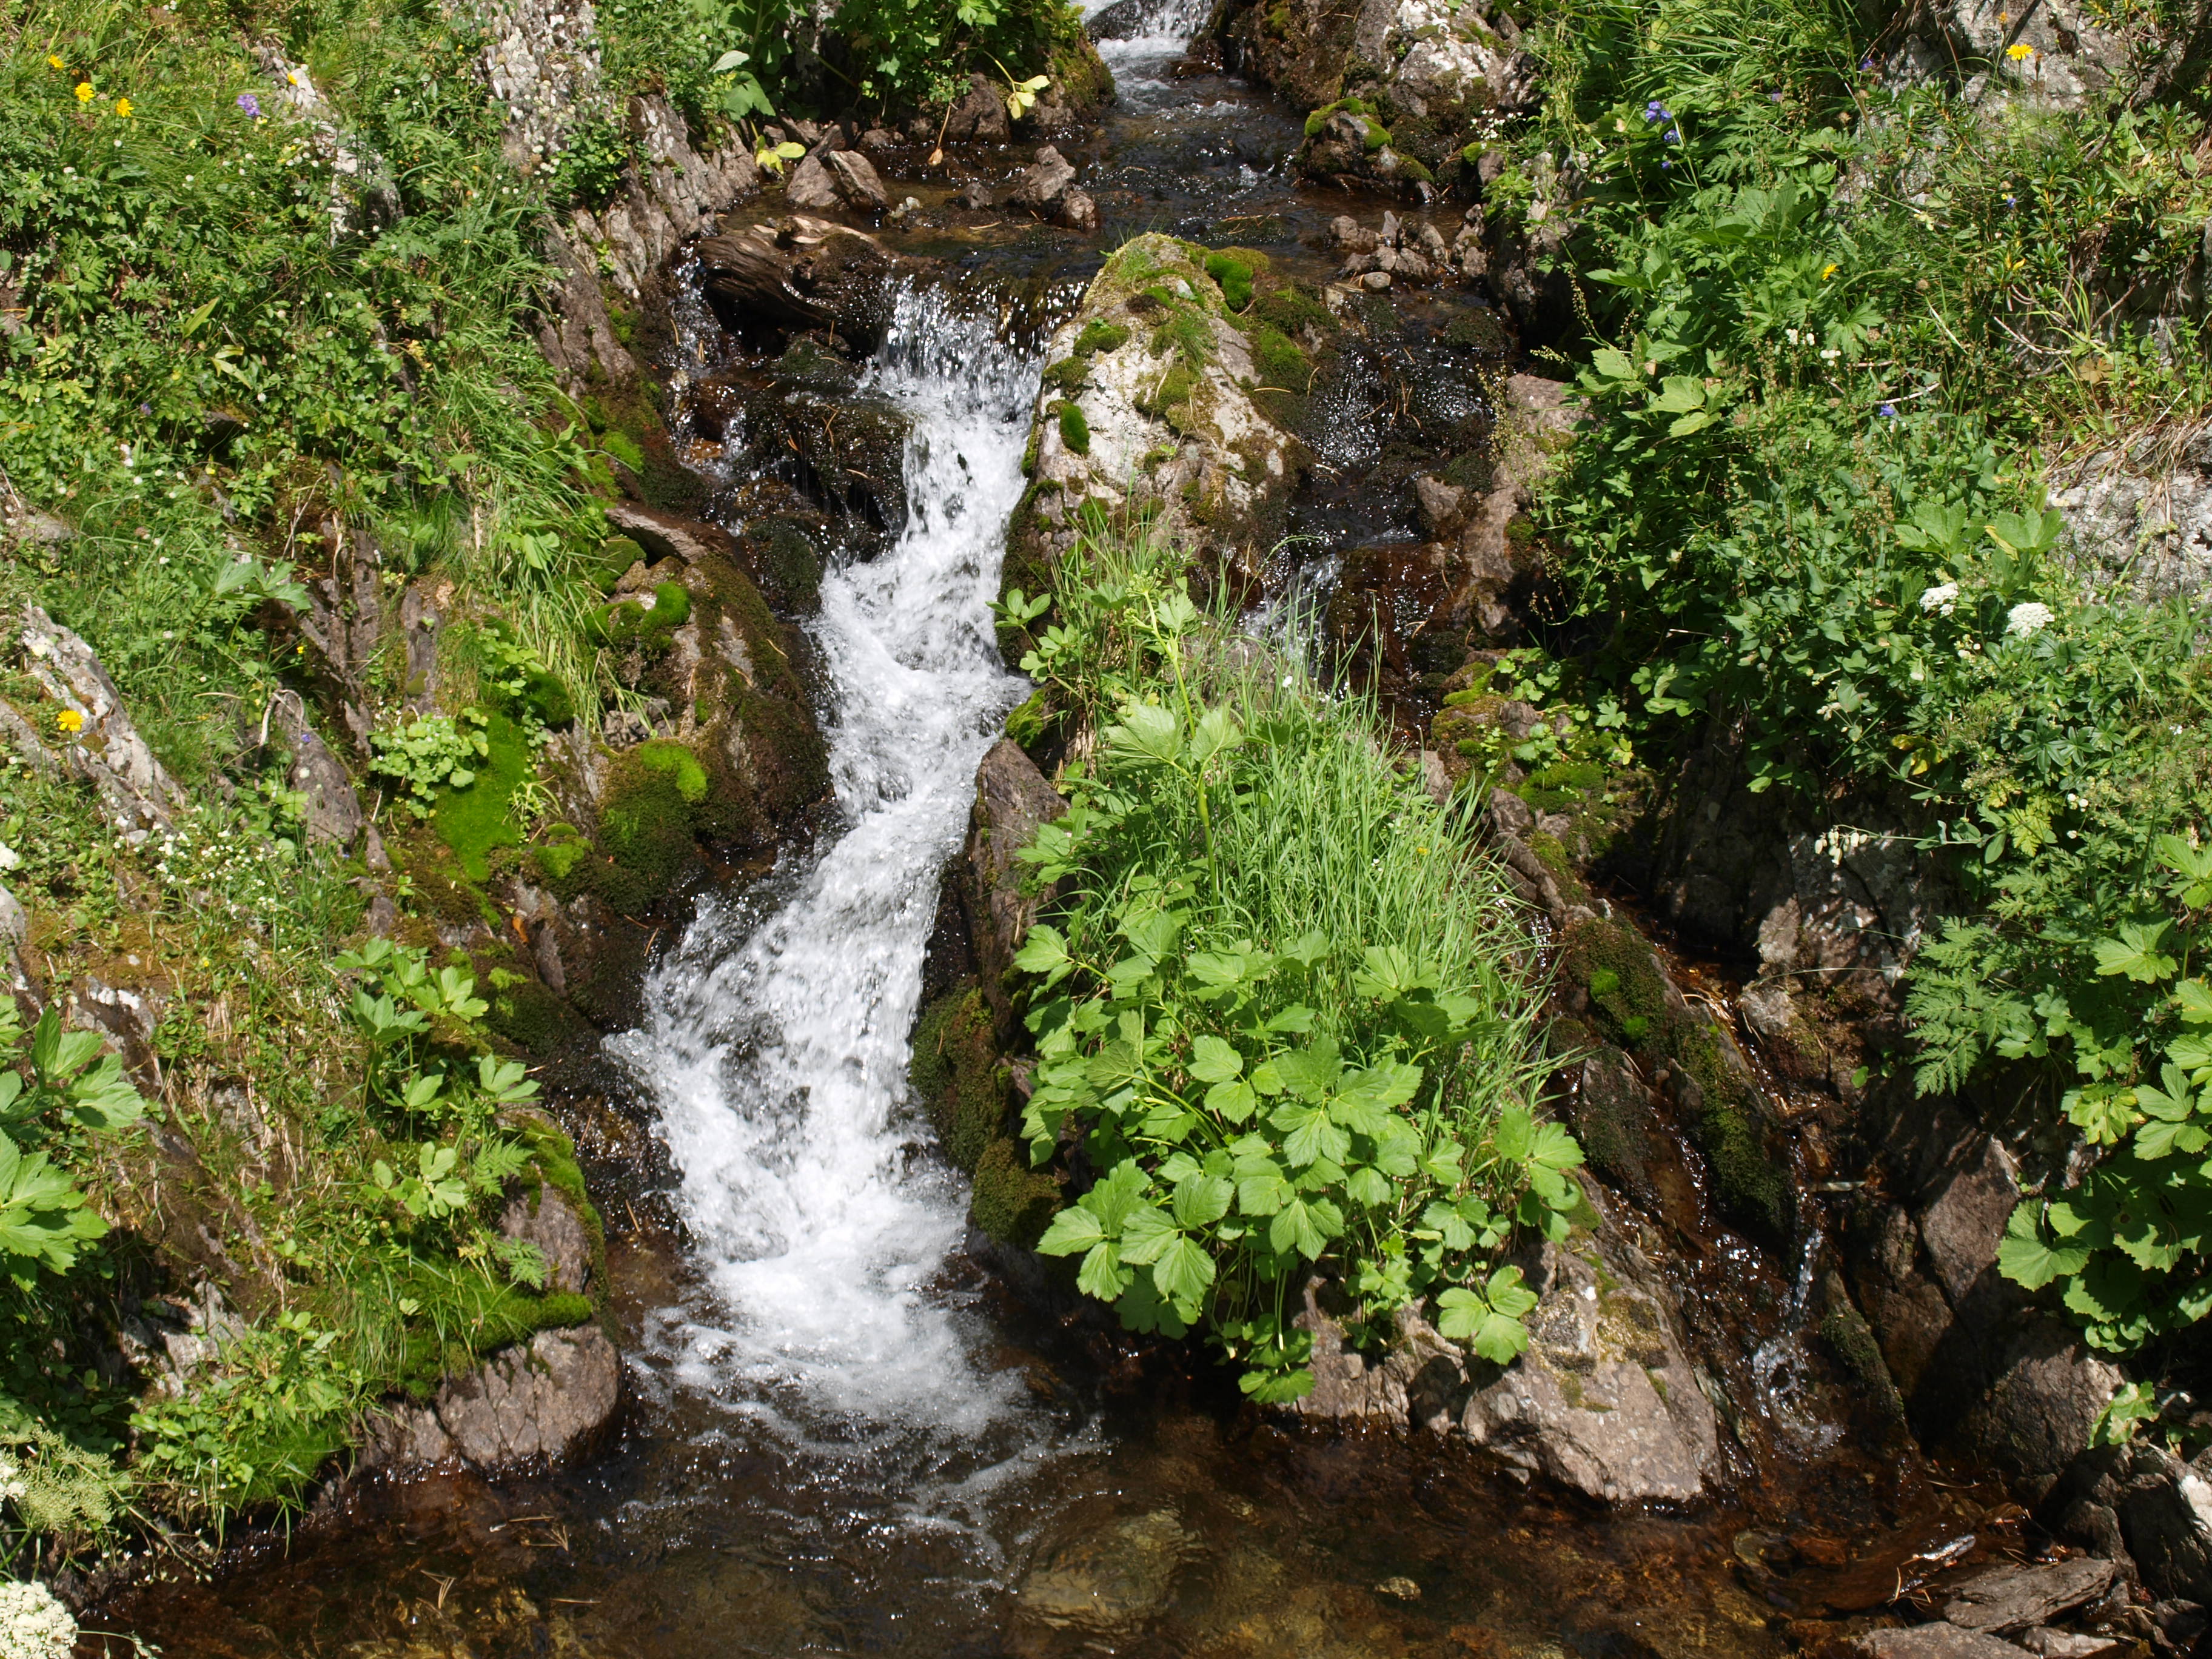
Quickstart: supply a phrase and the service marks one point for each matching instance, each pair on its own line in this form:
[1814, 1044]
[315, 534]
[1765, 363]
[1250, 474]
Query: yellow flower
[1829, 269]
[123, 107]
[54, 58]
[2019, 50]
[84, 92]
[69, 720]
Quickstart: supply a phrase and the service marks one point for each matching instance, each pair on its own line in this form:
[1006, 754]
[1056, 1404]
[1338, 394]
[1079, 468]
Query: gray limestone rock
[333, 811]
[548, 1220]
[812, 187]
[856, 181]
[535, 1404]
[1606, 1400]
[105, 749]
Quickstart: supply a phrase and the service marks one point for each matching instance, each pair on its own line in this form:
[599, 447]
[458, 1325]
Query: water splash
[775, 1046]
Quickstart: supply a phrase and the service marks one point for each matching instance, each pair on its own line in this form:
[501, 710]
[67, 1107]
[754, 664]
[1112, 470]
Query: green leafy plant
[57, 1083]
[1266, 1007]
[429, 753]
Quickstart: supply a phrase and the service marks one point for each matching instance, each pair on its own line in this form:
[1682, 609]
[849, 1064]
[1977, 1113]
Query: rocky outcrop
[2139, 521]
[671, 194]
[1606, 1400]
[2146, 1510]
[1153, 404]
[836, 177]
[332, 811]
[2068, 53]
[103, 746]
[542, 61]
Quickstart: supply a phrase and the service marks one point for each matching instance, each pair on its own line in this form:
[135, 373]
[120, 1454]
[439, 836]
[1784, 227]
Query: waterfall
[774, 1046]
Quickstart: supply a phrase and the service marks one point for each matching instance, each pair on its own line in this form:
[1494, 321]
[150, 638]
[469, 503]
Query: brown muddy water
[845, 1437]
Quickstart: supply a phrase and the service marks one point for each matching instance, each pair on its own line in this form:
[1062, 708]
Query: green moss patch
[1074, 430]
[472, 822]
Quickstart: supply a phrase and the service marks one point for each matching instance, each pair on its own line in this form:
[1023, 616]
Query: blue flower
[1668, 162]
[1774, 97]
[250, 104]
[2012, 201]
[1887, 411]
[1655, 110]
[1673, 136]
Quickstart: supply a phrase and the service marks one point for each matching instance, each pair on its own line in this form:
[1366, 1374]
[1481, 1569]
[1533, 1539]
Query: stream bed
[843, 1436]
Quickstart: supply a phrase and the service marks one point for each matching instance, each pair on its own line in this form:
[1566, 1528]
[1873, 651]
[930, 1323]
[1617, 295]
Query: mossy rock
[646, 827]
[1011, 1202]
[957, 1075]
[788, 562]
[474, 821]
[647, 620]
[1074, 430]
[527, 1013]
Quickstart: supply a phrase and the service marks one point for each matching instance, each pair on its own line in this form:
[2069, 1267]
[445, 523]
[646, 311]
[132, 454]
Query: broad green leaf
[1073, 1229]
[1102, 1274]
[1184, 1272]
[2136, 952]
[1200, 1201]
[2030, 1259]
[1212, 1060]
[1146, 1232]
[1232, 1103]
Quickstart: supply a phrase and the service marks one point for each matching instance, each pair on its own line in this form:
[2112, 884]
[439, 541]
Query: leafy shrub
[429, 753]
[56, 1083]
[1274, 1003]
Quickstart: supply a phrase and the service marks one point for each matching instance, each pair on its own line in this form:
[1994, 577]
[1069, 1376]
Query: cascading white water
[775, 1044]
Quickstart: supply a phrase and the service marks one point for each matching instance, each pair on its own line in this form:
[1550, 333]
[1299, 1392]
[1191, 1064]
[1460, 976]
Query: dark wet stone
[1944, 1641]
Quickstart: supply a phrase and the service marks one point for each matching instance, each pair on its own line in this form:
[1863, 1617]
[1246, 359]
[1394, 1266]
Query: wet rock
[1606, 1400]
[670, 194]
[803, 273]
[1109, 1578]
[2011, 1598]
[104, 747]
[1013, 800]
[1048, 189]
[975, 195]
[2072, 1645]
[535, 1405]
[857, 183]
[878, 140]
[1940, 1641]
[978, 113]
[2144, 1509]
[812, 187]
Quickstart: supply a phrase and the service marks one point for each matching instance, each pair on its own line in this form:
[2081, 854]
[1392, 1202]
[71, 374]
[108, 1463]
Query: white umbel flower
[1940, 598]
[2023, 620]
[33, 1624]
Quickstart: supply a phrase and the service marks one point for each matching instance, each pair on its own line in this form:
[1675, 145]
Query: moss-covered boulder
[1176, 390]
[961, 1082]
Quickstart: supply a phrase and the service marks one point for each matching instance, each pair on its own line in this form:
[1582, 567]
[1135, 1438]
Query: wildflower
[250, 105]
[1830, 354]
[69, 720]
[2019, 49]
[9, 859]
[1887, 412]
[1668, 162]
[123, 107]
[1674, 135]
[1655, 111]
[1774, 97]
[54, 58]
[1942, 597]
[2023, 620]
[84, 92]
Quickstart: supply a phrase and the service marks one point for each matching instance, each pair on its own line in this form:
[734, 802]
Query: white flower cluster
[2022, 620]
[12, 1487]
[33, 1624]
[1944, 598]
[246, 875]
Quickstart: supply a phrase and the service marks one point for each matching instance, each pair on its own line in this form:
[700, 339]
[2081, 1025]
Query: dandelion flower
[2019, 49]
[84, 93]
[123, 107]
[1942, 597]
[1829, 269]
[54, 58]
[2022, 620]
[69, 720]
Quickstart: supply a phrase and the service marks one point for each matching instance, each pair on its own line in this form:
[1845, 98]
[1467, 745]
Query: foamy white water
[775, 1044]
[1160, 33]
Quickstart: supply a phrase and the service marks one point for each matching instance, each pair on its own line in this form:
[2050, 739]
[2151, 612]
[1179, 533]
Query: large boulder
[535, 1404]
[1605, 1401]
[2138, 521]
[1153, 402]
[2142, 1507]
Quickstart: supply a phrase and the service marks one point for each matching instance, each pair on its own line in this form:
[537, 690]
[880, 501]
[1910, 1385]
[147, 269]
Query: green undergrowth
[1273, 1000]
[1840, 337]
